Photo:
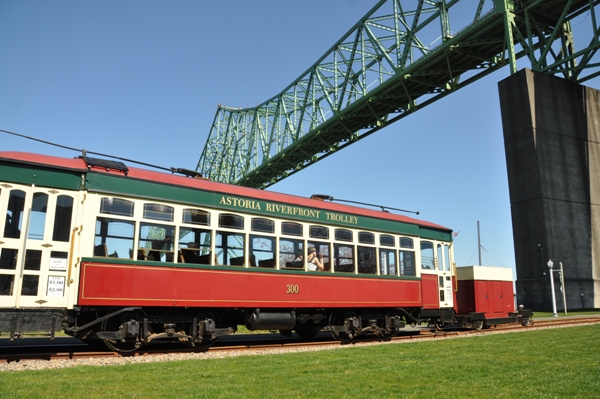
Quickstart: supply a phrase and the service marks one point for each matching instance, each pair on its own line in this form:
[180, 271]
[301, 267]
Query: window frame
[286, 232]
[123, 201]
[161, 212]
[316, 231]
[189, 211]
[341, 261]
[255, 225]
[340, 235]
[239, 221]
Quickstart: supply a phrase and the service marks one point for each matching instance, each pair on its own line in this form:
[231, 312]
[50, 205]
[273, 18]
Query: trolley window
[196, 216]
[37, 219]
[366, 238]
[114, 237]
[33, 259]
[322, 256]
[367, 260]
[263, 225]
[291, 253]
[291, 229]
[30, 285]
[447, 257]
[318, 232]
[262, 251]
[406, 243]
[230, 248]
[116, 206]
[158, 212]
[8, 258]
[343, 235]
[14, 214]
[427, 255]
[156, 242]
[387, 262]
[8, 261]
[6, 284]
[194, 246]
[231, 221]
[407, 263]
[62, 218]
[343, 258]
[386, 240]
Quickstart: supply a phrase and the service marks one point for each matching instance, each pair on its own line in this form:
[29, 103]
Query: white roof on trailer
[491, 273]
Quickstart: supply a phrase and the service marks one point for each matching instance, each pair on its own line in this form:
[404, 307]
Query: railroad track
[541, 323]
[278, 344]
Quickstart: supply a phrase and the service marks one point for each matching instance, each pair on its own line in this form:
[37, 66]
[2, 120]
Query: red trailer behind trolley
[485, 297]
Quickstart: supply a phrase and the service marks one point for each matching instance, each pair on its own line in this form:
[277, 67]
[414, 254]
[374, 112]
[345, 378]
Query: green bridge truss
[401, 56]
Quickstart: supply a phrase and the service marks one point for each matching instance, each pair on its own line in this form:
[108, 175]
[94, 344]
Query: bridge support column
[552, 142]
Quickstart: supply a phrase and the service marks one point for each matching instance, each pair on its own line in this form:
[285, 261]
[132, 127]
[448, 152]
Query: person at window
[314, 260]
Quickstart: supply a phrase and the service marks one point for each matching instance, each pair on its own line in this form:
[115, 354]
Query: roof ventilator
[105, 164]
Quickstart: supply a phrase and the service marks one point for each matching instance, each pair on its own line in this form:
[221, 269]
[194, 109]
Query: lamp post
[562, 286]
[550, 264]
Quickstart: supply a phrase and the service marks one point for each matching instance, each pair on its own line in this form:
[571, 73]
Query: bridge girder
[382, 70]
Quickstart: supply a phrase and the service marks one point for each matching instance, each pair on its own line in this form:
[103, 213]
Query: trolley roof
[118, 169]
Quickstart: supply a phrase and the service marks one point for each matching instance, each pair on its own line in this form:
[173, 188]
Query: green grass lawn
[553, 363]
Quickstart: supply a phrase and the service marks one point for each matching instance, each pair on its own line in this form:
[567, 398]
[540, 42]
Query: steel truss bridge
[400, 57]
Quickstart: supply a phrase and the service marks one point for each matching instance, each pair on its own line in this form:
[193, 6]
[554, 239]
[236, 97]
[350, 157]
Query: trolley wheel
[478, 325]
[389, 335]
[201, 346]
[186, 342]
[116, 345]
[339, 318]
[205, 344]
[343, 337]
[527, 322]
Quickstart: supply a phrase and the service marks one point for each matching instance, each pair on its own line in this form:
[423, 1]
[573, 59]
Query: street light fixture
[550, 264]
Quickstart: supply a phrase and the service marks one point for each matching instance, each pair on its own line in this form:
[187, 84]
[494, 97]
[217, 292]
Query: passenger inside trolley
[315, 262]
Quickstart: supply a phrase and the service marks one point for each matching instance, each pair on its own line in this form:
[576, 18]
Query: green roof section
[126, 186]
[121, 185]
[40, 176]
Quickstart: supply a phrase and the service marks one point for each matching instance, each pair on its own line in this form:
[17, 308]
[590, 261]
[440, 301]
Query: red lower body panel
[430, 291]
[103, 284]
[494, 298]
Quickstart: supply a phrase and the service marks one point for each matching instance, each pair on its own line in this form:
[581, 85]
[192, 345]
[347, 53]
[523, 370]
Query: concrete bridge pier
[552, 141]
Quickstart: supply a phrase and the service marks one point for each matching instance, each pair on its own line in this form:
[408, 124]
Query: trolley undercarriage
[129, 328]
[126, 329]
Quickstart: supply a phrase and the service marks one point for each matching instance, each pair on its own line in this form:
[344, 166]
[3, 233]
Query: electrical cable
[173, 170]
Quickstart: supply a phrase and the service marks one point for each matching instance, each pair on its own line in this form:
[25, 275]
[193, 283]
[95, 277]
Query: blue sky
[142, 80]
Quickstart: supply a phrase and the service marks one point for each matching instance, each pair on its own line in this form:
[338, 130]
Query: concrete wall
[552, 141]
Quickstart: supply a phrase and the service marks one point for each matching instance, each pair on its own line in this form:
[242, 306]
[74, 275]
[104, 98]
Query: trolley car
[132, 256]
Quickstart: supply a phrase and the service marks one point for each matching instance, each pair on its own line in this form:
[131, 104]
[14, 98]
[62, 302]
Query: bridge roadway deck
[480, 48]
